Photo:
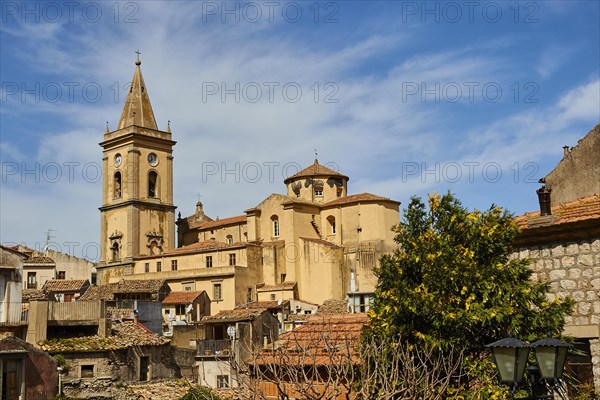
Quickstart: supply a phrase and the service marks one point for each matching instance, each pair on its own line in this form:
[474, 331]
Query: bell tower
[137, 217]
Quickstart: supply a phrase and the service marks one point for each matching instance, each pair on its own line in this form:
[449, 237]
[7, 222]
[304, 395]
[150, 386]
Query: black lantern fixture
[510, 355]
[550, 355]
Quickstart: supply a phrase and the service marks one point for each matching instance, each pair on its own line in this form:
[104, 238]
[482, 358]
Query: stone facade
[578, 173]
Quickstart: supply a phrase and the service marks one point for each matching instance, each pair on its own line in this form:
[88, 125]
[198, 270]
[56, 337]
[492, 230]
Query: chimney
[566, 150]
[544, 199]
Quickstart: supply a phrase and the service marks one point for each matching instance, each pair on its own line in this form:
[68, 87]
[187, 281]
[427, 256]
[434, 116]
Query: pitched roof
[17, 252]
[278, 286]
[222, 222]
[355, 198]
[235, 315]
[102, 292]
[139, 286]
[125, 334]
[315, 169]
[137, 109]
[181, 297]
[65, 285]
[312, 342]
[264, 305]
[33, 294]
[582, 209]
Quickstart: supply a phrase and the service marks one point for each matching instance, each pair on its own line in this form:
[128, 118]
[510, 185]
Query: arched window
[229, 239]
[117, 185]
[275, 220]
[115, 251]
[331, 220]
[155, 248]
[152, 184]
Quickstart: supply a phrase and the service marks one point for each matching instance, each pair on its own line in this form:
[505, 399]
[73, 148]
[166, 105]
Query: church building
[315, 242]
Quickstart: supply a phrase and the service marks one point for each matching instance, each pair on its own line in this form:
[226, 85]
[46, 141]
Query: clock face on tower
[118, 160]
[152, 159]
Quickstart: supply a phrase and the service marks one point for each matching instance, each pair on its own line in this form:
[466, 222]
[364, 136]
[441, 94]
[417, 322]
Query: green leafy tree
[452, 285]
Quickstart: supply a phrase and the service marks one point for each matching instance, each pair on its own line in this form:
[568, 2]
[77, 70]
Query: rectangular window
[158, 266]
[147, 267]
[180, 309]
[61, 275]
[249, 295]
[31, 280]
[318, 192]
[217, 292]
[173, 265]
[222, 381]
[232, 259]
[87, 371]
[94, 278]
[208, 261]
[272, 296]
[282, 277]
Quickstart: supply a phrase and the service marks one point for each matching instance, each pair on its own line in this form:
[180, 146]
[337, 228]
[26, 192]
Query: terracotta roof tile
[33, 294]
[237, 314]
[65, 285]
[102, 292]
[315, 169]
[355, 198]
[585, 208]
[181, 297]
[264, 305]
[139, 286]
[313, 339]
[222, 222]
[125, 334]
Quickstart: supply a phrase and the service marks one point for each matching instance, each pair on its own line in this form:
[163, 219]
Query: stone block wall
[572, 269]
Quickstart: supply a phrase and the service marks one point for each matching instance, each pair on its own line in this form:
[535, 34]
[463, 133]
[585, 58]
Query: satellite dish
[188, 309]
[279, 302]
[231, 331]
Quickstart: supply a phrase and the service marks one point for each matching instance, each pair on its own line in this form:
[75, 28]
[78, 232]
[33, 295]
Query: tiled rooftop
[139, 286]
[311, 342]
[235, 315]
[355, 198]
[264, 305]
[124, 335]
[102, 292]
[65, 285]
[315, 169]
[33, 294]
[222, 222]
[585, 208]
[181, 297]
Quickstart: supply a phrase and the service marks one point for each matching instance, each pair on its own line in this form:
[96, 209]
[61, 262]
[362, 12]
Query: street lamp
[550, 355]
[510, 356]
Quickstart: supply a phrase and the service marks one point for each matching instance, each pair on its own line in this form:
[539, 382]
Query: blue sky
[404, 97]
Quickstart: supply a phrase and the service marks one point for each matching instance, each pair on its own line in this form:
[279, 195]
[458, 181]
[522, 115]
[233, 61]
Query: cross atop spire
[137, 109]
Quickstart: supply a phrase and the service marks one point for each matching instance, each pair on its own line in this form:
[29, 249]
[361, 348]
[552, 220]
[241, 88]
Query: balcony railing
[214, 347]
[75, 311]
[13, 313]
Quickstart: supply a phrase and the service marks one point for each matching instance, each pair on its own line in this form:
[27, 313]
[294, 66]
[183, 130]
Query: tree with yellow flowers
[452, 285]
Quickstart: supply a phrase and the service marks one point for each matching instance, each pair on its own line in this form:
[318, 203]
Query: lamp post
[510, 356]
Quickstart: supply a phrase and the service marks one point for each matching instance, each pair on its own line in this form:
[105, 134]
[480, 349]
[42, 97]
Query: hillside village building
[315, 242]
[563, 242]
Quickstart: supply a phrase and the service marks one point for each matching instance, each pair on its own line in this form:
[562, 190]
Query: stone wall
[572, 269]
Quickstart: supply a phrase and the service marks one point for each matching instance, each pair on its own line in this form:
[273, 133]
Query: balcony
[75, 313]
[213, 348]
